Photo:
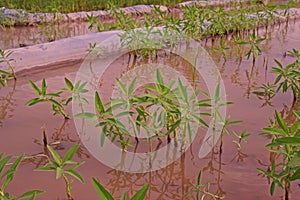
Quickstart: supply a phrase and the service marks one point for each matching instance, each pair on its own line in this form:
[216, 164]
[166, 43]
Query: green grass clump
[66, 6]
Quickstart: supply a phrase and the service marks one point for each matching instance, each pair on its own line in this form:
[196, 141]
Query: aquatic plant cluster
[198, 22]
[240, 24]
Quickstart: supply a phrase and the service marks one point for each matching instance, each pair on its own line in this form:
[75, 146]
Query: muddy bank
[55, 54]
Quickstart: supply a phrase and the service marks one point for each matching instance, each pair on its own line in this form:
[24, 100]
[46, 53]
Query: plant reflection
[7, 103]
[14, 37]
[59, 138]
[167, 183]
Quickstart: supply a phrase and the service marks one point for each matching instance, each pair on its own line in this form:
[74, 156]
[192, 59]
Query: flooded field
[232, 174]
[15, 37]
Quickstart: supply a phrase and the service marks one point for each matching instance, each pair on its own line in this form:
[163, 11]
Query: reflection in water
[216, 172]
[7, 103]
[247, 74]
[288, 111]
[235, 78]
[58, 138]
[240, 156]
[59, 134]
[167, 183]
[38, 160]
[251, 85]
[15, 37]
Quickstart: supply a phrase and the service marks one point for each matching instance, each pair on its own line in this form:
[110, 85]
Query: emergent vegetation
[68, 6]
[179, 108]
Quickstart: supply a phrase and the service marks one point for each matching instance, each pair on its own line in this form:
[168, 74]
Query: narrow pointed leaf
[30, 194]
[15, 164]
[44, 87]
[140, 195]
[98, 104]
[85, 115]
[34, 101]
[3, 162]
[54, 154]
[123, 197]
[75, 165]
[102, 192]
[281, 122]
[35, 88]
[55, 103]
[272, 188]
[70, 153]
[75, 175]
[59, 172]
[103, 135]
[296, 175]
[295, 141]
[122, 87]
[182, 91]
[131, 87]
[45, 169]
[159, 78]
[199, 178]
[69, 84]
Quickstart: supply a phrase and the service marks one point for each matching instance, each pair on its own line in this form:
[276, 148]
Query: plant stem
[66, 116]
[68, 187]
[123, 144]
[12, 69]
[221, 143]
[287, 190]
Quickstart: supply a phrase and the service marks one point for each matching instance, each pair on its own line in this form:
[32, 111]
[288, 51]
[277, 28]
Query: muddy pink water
[232, 175]
[14, 37]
